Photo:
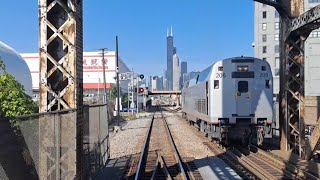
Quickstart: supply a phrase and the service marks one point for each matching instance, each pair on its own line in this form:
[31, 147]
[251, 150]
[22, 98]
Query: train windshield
[243, 86]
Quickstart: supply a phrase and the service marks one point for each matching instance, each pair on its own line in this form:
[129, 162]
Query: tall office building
[150, 83]
[266, 46]
[170, 53]
[156, 83]
[184, 68]
[176, 72]
[165, 83]
[266, 39]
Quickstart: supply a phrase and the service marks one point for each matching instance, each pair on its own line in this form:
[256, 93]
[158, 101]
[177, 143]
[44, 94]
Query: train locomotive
[232, 100]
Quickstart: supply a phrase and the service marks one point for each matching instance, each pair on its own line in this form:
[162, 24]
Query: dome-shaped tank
[16, 66]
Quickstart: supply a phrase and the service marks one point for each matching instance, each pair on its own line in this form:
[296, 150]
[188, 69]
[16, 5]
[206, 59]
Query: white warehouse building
[92, 71]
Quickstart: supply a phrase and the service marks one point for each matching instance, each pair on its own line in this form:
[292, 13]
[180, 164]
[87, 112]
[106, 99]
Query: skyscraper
[156, 83]
[184, 70]
[176, 72]
[170, 53]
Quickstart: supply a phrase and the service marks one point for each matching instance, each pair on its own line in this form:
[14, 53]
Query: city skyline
[141, 27]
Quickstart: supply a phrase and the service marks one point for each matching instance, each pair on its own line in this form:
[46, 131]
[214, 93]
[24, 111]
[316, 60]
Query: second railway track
[159, 158]
[257, 164]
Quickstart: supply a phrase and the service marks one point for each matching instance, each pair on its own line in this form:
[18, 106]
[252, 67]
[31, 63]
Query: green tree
[113, 91]
[125, 97]
[13, 99]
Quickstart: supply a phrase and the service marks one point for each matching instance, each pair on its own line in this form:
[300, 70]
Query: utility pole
[132, 91]
[128, 98]
[104, 76]
[137, 94]
[118, 84]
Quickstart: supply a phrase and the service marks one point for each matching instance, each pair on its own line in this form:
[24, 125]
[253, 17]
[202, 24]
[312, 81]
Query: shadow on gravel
[114, 169]
[209, 168]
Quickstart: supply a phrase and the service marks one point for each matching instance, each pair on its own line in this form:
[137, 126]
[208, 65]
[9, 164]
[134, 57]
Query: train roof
[205, 74]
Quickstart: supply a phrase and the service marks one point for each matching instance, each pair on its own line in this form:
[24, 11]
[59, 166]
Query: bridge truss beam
[61, 88]
[295, 29]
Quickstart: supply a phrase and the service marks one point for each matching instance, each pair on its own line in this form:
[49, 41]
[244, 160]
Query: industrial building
[92, 71]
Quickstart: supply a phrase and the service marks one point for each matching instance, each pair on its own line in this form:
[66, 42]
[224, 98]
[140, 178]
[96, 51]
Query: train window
[268, 84]
[216, 84]
[243, 86]
[263, 68]
[220, 68]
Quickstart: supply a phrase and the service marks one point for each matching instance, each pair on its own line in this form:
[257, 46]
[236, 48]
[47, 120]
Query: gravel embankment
[188, 144]
[130, 139]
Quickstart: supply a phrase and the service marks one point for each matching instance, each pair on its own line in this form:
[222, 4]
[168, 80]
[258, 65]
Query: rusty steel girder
[60, 54]
[61, 88]
[295, 29]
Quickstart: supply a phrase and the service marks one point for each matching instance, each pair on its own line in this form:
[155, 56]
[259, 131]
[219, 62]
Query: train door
[243, 99]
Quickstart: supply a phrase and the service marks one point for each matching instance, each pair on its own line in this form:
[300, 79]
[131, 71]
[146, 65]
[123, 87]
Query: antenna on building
[171, 32]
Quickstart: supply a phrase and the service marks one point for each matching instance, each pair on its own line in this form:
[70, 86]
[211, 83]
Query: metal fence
[44, 146]
[96, 138]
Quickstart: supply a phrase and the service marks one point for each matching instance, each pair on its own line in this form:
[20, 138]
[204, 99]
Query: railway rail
[285, 168]
[159, 158]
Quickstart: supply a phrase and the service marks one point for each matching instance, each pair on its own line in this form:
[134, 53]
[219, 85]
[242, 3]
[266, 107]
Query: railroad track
[286, 169]
[159, 158]
[257, 164]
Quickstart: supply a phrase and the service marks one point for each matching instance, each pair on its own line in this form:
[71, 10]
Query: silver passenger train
[231, 100]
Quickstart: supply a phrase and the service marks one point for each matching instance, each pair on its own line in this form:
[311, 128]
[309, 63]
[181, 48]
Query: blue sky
[204, 31]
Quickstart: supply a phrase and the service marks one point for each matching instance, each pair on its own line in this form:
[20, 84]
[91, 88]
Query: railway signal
[141, 90]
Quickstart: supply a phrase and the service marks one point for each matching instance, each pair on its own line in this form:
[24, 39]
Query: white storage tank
[16, 66]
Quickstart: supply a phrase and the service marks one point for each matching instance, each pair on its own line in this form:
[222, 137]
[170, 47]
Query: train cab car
[231, 100]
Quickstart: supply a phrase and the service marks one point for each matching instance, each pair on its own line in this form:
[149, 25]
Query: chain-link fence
[44, 146]
[96, 138]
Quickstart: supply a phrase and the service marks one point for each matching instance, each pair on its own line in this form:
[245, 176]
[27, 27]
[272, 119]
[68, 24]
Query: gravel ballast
[190, 145]
[130, 139]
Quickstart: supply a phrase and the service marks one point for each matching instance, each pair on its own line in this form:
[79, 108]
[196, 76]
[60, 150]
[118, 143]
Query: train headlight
[243, 68]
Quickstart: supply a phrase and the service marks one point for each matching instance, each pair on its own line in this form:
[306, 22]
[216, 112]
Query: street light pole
[118, 84]
[104, 76]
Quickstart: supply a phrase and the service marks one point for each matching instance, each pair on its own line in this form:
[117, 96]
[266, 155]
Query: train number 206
[264, 75]
[220, 75]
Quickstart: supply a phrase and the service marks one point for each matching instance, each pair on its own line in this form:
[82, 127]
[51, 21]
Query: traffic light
[141, 76]
[141, 90]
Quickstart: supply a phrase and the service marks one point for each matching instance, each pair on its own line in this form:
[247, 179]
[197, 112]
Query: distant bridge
[164, 92]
